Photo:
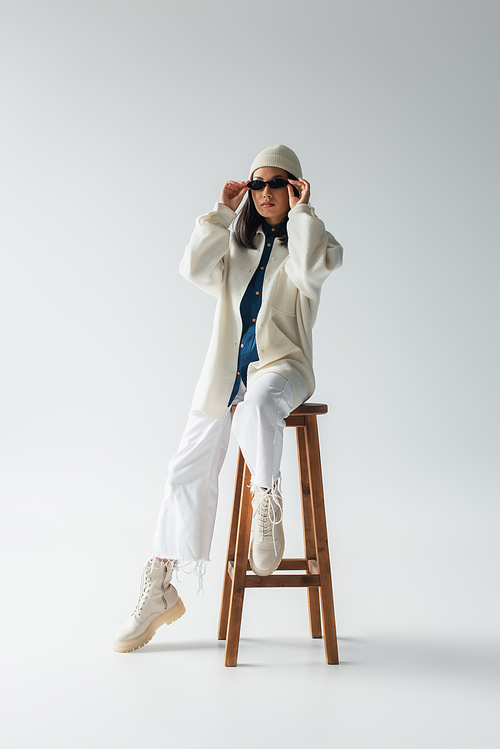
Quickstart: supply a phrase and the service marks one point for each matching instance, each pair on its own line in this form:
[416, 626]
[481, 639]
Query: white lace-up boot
[268, 543]
[159, 603]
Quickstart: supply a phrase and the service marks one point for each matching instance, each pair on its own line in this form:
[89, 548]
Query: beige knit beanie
[279, 156]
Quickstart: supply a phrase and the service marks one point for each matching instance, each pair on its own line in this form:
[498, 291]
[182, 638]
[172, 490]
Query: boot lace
[267, 511]
[146, 585]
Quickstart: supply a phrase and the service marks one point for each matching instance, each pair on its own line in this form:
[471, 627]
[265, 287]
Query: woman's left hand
[304, 190]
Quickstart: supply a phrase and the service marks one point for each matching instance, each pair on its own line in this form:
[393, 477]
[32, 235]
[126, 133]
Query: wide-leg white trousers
[187, 514]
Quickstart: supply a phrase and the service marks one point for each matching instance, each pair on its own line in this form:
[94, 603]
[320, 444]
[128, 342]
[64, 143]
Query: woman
[267, 276]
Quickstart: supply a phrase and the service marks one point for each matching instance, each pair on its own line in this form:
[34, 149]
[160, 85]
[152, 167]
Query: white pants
[187, 515]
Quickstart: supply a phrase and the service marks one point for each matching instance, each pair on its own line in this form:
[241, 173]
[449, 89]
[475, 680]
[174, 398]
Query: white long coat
[215, 262]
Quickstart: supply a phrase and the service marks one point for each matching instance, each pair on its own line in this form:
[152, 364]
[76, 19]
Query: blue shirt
[249, 309]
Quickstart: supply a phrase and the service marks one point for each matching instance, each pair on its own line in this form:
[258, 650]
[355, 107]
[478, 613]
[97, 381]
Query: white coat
[214, 261]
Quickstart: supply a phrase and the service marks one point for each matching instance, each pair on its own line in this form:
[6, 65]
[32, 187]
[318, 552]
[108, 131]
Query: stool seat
[314, 568]
[310, 408]
[303, 410]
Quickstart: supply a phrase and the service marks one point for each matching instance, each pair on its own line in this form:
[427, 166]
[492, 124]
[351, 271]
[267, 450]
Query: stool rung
[282, 581]
[290, 564]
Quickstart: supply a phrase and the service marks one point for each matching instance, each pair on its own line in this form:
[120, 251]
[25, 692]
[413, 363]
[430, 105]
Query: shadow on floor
[461, 659]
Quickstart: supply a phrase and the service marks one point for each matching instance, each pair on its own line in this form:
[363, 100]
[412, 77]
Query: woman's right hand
[233, 193]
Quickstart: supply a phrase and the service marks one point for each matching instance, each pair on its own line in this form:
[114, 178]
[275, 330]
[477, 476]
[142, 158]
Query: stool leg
[231, 546]
[239, 575]
[323, 556]
[308, 524]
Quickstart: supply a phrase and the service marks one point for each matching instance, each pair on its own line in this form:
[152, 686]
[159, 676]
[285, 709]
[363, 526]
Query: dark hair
[249, 220]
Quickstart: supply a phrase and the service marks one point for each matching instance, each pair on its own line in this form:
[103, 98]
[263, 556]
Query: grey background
[120, 122]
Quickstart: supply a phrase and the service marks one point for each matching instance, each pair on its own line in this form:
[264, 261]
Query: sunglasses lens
[274, 184]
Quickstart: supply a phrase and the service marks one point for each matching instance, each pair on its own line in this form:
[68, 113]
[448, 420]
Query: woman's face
[273, 205]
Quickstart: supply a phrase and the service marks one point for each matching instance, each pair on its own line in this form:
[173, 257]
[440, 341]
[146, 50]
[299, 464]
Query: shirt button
[273, 229]
[269, 244]
[242, 345]
[253, 319]
[273, 258]
[237, 373]
[262, 267]
[263, 351]
[257, 293]
[267, 280]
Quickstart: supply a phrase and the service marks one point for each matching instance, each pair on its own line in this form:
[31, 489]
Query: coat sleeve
[313, 252]
[203, 259]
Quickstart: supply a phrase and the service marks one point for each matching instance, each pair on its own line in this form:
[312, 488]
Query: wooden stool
[316, 563]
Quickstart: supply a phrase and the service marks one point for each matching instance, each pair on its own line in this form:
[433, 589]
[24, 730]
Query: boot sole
[170, 615]
[265, 573]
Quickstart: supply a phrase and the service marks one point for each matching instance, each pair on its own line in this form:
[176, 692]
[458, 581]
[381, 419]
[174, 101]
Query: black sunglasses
[274, 184]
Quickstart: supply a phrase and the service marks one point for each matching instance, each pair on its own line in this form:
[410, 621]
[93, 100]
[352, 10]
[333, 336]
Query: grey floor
[65, 687]
[416, 599]
[415, 576]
